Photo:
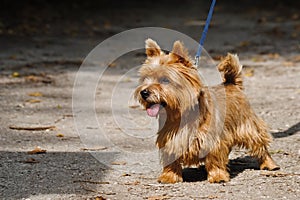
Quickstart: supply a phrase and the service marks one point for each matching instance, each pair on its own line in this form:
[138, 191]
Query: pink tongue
[153, 110]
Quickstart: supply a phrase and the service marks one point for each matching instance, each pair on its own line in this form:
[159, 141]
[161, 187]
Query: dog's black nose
[145, 94]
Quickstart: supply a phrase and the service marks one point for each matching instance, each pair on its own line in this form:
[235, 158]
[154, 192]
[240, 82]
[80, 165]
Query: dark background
[106, 17]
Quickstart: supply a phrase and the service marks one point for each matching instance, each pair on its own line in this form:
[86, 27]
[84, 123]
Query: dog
[199, 124]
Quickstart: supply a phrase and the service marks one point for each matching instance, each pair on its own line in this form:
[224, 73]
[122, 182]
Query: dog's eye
[164, 80]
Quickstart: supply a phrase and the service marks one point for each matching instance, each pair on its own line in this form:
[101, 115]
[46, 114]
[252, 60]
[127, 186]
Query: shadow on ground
[23, 175]
[235, 166]
[290, 131]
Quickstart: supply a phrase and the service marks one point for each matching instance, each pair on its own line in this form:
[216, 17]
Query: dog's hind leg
[257, 142]
[265, 160]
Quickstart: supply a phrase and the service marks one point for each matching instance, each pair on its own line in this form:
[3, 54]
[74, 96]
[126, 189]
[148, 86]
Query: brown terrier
[198, 123]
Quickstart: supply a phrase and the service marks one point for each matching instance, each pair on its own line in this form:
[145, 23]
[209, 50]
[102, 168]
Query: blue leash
[203, 36]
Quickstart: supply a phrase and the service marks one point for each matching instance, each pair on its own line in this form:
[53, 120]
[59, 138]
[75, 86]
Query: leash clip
[196, 61]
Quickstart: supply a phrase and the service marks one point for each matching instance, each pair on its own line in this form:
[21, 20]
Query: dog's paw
[169, 177]
[269, 164]
[218, 176]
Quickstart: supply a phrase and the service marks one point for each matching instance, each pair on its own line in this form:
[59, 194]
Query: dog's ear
[179, 49]
[180, 54]
[152, 48]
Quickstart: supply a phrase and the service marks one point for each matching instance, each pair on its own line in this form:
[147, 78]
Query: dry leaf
[158, 197]
[119, 163]
[133, 183]
[42, 78]
[15, 74]
[244, 44]
[288, 64]
[113, 64]
[134, 106]
[296, 58]
[33, 101]
[258, 59]
[249, 72]
[59, 135]
[35, 94]
[110, 193]
[32, 78]
[273, 55]
[37, 150]
[212, 197]
[126, 80]
[194, 23]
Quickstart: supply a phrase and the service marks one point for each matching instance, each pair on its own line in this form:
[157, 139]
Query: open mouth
[154, 108]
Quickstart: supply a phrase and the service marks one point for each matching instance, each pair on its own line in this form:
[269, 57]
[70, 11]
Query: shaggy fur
[199, 123]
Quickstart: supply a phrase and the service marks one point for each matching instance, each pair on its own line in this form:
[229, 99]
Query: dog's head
[167, 80]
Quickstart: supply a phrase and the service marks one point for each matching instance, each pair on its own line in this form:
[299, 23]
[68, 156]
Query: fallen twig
[37, 128]
[277, 174]
[93, 149]
[37, 150]
[92, 182]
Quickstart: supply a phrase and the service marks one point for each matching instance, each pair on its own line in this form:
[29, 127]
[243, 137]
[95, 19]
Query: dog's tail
[232, 70]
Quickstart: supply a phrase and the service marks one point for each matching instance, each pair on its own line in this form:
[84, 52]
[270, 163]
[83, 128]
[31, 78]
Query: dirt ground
[44, 154]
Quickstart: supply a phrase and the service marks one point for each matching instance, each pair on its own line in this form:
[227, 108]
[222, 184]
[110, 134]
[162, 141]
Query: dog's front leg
[172, 173]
